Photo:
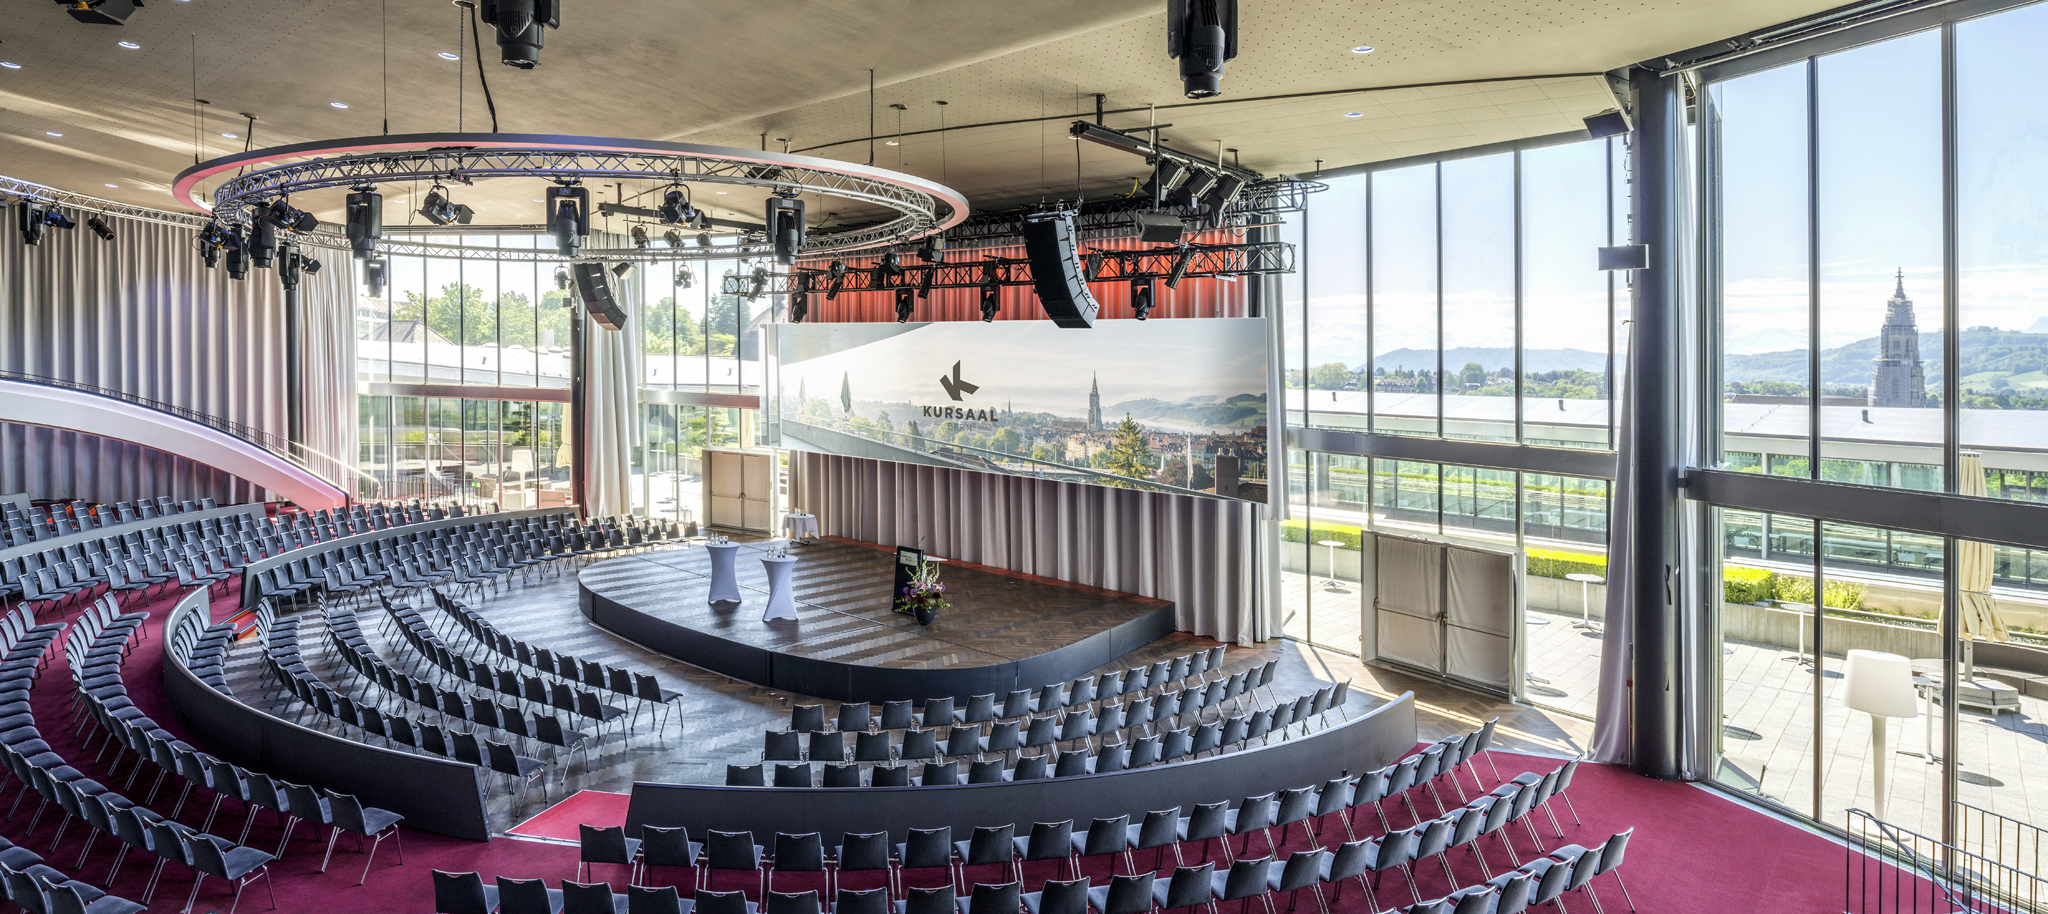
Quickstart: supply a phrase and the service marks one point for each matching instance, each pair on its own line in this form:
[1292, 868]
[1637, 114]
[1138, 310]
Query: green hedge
[1793, 588]
[1547, 563]
[1295, 531]
[1747, 585]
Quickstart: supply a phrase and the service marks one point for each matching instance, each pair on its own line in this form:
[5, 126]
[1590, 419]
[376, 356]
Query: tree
[1472, 375]
[1041, 452]
[845, 393]
[1175, 473]
[1201, 481]
[948, 431]
[1006, 440]
[1129, 455]
[1329, 376]
[914, 433]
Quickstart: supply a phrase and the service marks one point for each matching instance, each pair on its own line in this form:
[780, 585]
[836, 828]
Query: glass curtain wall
[464, 322]
[1878, 286]
[1457, 300]
[695, 339]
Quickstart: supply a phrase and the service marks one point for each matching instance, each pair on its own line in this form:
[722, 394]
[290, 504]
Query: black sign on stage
[908, 563]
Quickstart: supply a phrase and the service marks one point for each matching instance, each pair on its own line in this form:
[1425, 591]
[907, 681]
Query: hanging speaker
[1056, 271]
[594, 288]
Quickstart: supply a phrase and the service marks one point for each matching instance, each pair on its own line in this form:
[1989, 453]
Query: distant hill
[1241, 411]
[1492, 358]
[1983, 350]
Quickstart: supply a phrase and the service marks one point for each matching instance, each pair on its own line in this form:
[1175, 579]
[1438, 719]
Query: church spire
[1900, 292]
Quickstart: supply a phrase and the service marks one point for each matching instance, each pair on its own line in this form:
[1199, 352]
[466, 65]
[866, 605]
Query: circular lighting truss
[920, 207]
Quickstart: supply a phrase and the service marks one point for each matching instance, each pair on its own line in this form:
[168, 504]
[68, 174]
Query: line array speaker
[1049, 242]
[594, 288]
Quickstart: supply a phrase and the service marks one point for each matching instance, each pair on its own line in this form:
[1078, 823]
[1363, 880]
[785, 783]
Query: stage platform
[1004, 630]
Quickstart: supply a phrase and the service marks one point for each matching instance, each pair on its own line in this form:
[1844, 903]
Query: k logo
[954, 386]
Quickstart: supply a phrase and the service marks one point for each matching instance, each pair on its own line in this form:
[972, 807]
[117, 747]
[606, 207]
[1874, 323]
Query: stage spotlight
[1141, 297]
[640, 239]
[100, 12]
[568, 217]
[439, 210]
[757, 283]
[991, 296]
[100, 227]
[309, 264]
[1202, 34]
[906, 299]
[673, 237]
[1611, 122]
[891, 265]
[365, 211]
[933, 250]
[31, 217]
[373, 276]
[1220, 197]
[799, 299]
[703, 239]
[210, 242]
[786, 227]
[289, 264]
[282, 214]
[562, 278]
[684, 278]
[262, 243]
[1166, 177]
[238, 257]
[676, 209]
[522, 27]
[1180, 266]
[621, 270]
[837, 270]
[924, 283]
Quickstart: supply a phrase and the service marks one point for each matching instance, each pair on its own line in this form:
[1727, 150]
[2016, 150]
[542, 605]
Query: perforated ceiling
[728, 73]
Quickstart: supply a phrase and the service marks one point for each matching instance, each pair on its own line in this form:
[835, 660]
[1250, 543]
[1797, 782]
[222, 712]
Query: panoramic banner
[1164, 404]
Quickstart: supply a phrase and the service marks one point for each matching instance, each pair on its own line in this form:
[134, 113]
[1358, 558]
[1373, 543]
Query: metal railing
[1893, 869]
[275, 444]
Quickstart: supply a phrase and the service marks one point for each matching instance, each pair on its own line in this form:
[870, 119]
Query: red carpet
[586, 807]
[1693, 850]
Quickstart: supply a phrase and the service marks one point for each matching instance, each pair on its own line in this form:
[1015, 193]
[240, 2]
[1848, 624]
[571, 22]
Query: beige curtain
[139, 314]
[328, 323]
[1979, 611]
[612, 396]
[1201, 553]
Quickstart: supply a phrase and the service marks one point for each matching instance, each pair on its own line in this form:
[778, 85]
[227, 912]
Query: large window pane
[1404, 289]
[1564, 525]
[1764, 283]
[2002, 140]
[1337, 316]
[1879, 224]
[1565, 298]
[1479, 298]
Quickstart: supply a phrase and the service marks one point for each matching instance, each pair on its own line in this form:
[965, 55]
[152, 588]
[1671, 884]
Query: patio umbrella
[1980, 618]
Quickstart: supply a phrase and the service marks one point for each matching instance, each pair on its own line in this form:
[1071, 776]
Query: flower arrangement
[924, 596]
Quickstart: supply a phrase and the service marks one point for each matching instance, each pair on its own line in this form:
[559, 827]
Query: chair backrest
[1001, 898]
[926, 848]
[1050, 841]
[991, 844]
[854, 717]
[841, 774]
[708, 902]
[744, 776]
[1129, 894]
[1247, 878]
[793, 902]
[577, 898]
[1106, 836]
[642, 899]
[927, 901]
[1029, 768]
[793, 775]
[861, 901]
[917, 744]
[525, 896]
[1612, 852]
[941, 774]
[889, 776]
[804, 853]
[1514, 894]
[985, 771]
[806, 718]
[603, 845]
[665, 846]
[731, 850]
[1208, 820]
[1190, 886]
[863, 851]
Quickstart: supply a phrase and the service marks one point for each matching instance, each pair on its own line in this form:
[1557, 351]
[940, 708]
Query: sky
[1879, 155]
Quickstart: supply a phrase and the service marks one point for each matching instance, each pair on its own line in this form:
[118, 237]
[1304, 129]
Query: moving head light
[1202, 34]
[522, 27]
[100, 12]
[365, 220]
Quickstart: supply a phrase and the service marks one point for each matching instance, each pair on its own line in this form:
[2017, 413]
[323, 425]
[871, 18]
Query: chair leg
[1574, 809]
[1624, 891]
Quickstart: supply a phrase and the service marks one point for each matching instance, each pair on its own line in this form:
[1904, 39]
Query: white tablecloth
[797, 524]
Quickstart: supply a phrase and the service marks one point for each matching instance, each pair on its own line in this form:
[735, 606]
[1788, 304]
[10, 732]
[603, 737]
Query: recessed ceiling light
[539, 200]
[130, 45]
[53, 133]
[721, 193]
[11, 65]
[1362, 49]
[113, 185]
[890, 143]
[1354, 114]
[339, 104]
[447, 56]
[230, 136]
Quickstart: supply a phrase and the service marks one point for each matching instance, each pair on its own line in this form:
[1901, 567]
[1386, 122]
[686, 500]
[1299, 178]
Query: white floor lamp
[1880, 685]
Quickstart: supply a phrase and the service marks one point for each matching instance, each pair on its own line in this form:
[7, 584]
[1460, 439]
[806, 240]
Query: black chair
[1059, 897]
[734, 851]
[1105, 837]
[1190, 887]
[793, 903]
[804, 853]
[989, 845]
[744, 776]
[605, 845]
[863, 901]
[663, 900]
[867, 852]
[927, 901]
[579, 898]
[926, 849]
[709, 902]
[528, 896]
[666, 847]
[1048, 841]
[841, 774]
[221, 859]
[796, 775]
[1000, 898]
[1124, 895]
[365, 822]
[889, 776]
